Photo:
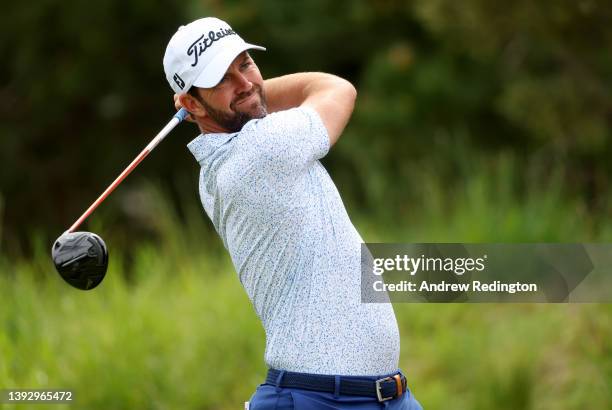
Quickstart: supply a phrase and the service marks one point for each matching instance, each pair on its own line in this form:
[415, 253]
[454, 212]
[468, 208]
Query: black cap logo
[204, 41]
[179, 81]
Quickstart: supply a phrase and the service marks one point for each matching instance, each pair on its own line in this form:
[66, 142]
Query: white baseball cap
[199, 54]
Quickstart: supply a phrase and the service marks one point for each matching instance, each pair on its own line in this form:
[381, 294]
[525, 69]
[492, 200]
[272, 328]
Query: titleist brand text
[204, 41]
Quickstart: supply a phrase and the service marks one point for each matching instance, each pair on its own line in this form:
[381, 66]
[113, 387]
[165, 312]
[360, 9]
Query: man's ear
[192, 105]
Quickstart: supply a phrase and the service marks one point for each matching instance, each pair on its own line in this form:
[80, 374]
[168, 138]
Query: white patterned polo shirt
[295, 250]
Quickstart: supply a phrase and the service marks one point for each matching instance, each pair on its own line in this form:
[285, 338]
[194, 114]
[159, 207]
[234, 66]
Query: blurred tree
[443, 85]
[552, 71]
[83, 90]
[484, 76]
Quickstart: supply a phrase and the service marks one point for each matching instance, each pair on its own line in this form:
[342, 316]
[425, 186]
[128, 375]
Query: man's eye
[246, 64]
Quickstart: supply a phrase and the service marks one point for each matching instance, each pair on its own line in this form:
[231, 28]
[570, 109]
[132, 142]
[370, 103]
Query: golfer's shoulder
[291, 136]
[296, 128]
[302, 120]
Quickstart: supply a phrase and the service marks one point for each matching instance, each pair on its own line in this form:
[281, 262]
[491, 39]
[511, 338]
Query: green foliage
[162, 344]
[83, 79]
[171, 327]
[437, 81]
[1, 220]
[475, 121]
[491, 356]
[552, 73]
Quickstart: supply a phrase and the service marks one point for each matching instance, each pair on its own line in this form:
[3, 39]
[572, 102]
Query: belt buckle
[379, 388]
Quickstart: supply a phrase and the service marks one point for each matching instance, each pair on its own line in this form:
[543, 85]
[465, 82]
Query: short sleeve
[293, 137]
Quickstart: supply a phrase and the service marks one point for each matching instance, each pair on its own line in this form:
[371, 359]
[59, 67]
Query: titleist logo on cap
[203, 42]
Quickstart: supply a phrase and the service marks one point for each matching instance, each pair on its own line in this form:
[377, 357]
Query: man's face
[238, 98]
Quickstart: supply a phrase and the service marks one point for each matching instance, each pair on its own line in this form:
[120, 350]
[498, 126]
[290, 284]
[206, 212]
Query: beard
[234, 120]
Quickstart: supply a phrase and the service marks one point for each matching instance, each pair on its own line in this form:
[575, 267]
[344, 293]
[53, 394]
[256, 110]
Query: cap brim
[215, 70]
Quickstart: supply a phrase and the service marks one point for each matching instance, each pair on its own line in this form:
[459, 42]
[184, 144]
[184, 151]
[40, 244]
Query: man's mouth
[244, 99]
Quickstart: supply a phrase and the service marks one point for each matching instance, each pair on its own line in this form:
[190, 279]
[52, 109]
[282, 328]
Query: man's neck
[210, 127]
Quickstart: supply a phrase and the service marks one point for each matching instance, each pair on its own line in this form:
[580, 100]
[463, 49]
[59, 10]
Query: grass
[177, 339]
[171, 328]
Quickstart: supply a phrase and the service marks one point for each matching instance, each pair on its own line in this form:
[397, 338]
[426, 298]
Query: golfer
[280, 216]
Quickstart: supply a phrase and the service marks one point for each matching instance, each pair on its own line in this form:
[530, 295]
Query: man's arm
[332, 97]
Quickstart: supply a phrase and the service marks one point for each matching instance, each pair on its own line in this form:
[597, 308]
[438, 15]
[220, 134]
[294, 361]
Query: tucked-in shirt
[295, 250]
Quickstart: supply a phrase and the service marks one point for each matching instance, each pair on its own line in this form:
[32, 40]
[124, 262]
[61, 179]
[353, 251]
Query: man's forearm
[291, 90]
[332, 97]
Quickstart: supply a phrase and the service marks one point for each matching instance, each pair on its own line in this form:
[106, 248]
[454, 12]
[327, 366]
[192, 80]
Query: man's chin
[260, 112]
[256, 111]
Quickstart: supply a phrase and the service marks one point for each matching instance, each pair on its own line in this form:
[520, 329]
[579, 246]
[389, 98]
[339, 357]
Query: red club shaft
[110, 189]
[178, 117]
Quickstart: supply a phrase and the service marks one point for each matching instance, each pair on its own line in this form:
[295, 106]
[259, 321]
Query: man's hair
[193, 91]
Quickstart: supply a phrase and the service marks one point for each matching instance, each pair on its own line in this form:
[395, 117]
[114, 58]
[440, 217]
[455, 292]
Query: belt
[383, 389]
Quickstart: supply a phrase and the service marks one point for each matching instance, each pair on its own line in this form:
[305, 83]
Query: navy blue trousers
[270, 397]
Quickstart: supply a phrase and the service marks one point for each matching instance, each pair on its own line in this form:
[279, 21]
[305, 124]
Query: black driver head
[81, 258]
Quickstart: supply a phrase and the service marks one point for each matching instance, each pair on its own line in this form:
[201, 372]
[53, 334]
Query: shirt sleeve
[291, 139]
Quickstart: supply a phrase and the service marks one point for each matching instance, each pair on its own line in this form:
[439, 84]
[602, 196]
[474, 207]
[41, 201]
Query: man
[283, 222]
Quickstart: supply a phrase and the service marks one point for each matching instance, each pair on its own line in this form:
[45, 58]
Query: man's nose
[242, 84]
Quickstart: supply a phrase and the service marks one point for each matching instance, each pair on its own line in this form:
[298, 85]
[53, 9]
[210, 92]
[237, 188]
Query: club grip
[181, 114]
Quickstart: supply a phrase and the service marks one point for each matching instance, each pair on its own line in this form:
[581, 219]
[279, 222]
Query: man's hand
[178, 106]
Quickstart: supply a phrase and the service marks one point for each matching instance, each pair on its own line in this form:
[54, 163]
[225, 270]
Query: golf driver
[81, 258]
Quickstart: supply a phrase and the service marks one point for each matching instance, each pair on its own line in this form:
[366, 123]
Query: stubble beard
[234, 120]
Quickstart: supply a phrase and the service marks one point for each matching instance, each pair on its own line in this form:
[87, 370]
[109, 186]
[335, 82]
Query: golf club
[81, 258]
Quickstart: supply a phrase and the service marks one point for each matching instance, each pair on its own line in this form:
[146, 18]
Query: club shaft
[143, 154]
